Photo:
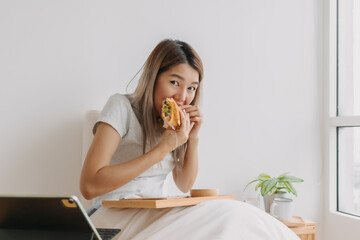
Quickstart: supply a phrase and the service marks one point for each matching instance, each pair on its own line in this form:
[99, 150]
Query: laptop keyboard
[108, 233]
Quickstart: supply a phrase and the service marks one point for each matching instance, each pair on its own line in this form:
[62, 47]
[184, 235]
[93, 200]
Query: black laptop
[47, 217]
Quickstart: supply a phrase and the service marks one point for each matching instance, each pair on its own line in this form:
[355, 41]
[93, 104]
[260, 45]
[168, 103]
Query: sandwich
[170, 113]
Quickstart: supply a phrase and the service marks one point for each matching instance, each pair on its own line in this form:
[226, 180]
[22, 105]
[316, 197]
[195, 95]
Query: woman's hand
[196, 119]
[176, 138]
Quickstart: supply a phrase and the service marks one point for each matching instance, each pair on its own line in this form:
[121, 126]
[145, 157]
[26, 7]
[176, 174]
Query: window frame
[347, 225]
[337, 121]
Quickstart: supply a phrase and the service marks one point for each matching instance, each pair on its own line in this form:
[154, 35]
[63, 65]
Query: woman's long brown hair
[167, 54]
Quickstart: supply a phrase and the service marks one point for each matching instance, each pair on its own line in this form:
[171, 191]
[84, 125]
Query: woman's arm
[98, 177]
[185, 178]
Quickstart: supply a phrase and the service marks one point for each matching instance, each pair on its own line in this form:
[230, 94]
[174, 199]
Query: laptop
[47, 217]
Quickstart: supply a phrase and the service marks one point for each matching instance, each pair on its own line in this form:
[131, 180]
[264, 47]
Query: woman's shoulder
[118, 113]
[118, 97]
[120, 100]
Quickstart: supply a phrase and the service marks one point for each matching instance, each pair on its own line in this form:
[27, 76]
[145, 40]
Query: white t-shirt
[119, 114]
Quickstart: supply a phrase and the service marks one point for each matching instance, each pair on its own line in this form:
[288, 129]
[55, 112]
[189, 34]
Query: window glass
[349, 170]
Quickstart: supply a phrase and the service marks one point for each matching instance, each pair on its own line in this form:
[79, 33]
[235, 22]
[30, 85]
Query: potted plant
[271, 187]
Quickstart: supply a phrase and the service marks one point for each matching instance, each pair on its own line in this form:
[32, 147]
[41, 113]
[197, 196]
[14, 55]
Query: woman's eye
[192, 88]
[174, 83]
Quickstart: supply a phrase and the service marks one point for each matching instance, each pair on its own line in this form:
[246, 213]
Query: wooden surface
[304, 228]
[160, 202]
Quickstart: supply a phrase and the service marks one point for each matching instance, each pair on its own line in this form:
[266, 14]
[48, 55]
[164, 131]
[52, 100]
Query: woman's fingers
[190, 117]
[185, 127]
[183, 119]
[192, 125]
[194, 111]
[186, 106]
[189, 108]
[186, 122]
[195, 119]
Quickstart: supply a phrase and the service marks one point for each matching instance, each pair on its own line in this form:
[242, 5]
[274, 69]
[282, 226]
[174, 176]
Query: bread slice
[170, 114]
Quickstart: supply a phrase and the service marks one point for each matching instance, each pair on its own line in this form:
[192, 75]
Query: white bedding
[215, 219]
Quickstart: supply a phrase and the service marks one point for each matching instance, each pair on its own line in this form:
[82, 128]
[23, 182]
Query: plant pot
[268, 200]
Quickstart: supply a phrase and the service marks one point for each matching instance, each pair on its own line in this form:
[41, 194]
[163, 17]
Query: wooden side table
[305, 229]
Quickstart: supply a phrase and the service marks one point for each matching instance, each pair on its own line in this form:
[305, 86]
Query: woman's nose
[180, 97]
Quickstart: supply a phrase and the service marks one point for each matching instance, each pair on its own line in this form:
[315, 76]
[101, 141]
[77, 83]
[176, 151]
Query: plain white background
[262, 100]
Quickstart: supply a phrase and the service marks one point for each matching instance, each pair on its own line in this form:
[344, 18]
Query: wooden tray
[303, 228]
[160, 202]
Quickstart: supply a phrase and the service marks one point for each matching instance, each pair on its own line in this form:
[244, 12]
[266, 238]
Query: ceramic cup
[281, 209]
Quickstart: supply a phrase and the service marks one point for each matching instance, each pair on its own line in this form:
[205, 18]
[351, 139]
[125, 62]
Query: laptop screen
[60, 217]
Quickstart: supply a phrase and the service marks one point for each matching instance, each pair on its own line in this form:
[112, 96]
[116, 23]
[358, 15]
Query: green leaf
[273, 190]
[282, 175]
[258, 185]
[249, 184]
[291, 179]
[263, 176]
[265, 189]
[263, 184]
[290, 188]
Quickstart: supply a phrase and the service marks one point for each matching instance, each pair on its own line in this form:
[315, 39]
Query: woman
[132, 154]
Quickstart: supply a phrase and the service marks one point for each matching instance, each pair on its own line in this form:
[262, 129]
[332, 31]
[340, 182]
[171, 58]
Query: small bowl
[204, 192]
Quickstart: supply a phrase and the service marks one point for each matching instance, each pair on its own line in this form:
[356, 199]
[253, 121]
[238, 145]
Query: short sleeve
[116, 113]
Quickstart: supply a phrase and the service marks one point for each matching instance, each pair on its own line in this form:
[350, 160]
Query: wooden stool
[305, 229]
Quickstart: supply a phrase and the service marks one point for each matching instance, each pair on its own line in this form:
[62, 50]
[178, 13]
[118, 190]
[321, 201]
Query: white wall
[262, 86]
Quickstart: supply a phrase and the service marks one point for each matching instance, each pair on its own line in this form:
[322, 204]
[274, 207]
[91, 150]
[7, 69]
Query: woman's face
[179, 82]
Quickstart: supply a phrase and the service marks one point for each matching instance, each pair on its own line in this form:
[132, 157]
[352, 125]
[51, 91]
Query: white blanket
[215, 219]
